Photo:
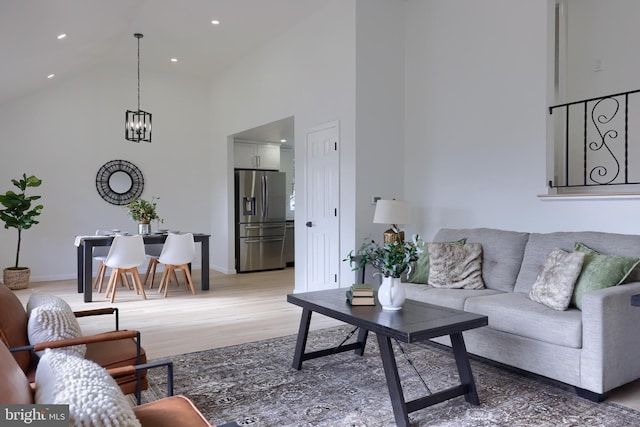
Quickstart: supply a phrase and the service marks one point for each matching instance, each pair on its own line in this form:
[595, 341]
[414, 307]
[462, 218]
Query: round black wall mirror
[119, 182]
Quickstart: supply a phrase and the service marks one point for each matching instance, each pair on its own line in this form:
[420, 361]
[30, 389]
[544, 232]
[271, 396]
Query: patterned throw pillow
[51, 322]
[600, 271]
[555, 283]
[455, 266]
[93, 396]
[420, 269]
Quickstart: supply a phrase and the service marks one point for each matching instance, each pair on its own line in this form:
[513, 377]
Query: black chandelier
[137, 124]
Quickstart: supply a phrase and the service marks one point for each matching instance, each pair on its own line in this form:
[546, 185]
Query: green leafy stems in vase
[390, 259]
[143, 211]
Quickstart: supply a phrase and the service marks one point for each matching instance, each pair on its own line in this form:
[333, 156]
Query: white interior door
[323, 176]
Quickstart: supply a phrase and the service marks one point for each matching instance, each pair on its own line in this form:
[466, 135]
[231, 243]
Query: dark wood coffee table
[417, 321]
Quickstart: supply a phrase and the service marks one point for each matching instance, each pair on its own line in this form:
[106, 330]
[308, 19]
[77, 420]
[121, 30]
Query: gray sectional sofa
[595, 349]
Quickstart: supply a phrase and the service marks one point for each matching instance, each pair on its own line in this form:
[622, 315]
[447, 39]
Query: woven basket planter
[16, 279]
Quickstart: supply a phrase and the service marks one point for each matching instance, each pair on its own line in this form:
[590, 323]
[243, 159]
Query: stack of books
[360, 294]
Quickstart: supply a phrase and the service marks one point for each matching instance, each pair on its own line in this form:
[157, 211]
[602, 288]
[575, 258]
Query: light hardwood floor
[237, 309]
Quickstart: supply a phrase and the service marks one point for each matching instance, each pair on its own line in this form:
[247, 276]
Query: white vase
[391, 293]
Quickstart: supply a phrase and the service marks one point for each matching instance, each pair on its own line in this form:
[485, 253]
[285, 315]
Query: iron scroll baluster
[605, 155]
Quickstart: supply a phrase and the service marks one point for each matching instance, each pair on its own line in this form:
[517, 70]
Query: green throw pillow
[420, 269]
[600, 271]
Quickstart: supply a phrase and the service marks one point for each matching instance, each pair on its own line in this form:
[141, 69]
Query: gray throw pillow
[455, 266]
[555, 282]
[420, 269]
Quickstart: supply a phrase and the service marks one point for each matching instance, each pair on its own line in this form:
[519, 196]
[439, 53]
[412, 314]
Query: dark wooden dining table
[85, 258]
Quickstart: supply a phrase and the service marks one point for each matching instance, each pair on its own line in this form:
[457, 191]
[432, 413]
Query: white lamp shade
[392, 212]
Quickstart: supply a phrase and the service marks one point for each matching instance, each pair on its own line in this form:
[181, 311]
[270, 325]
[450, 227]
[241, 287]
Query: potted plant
[143, 211]
[19, 214]
[391, 260]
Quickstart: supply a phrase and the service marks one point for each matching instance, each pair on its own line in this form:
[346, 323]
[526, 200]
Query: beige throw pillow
[555, 283]
[455, 266]
[420, 270]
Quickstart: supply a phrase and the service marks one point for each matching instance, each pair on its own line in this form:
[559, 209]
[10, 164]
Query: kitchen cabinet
[248, 155]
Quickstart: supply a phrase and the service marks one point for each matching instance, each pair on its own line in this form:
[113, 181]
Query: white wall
[308, 73]
[601, 45]
[476, 105]
[379, 113]
[66, 132]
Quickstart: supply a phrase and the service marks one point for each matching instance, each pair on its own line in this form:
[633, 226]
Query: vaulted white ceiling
[101, 32]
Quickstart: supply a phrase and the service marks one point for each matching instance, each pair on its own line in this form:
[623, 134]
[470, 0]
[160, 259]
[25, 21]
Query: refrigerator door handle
[272, 239]
[262, 194]
[265, 197]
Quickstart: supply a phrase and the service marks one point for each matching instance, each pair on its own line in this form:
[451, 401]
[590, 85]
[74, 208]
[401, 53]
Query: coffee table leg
[301, 343]
[393, 381]
[464, 367]
[362, 339]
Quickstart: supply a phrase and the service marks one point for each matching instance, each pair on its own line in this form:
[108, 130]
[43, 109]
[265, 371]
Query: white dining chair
[100, 254]
[153, 253]
[178, 251]
[125, 256]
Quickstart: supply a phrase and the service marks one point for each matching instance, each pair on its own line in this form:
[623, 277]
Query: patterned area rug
[255, 385]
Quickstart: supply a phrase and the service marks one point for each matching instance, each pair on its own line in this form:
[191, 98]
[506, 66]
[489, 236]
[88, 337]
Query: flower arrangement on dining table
[143, 211]
[390, 259]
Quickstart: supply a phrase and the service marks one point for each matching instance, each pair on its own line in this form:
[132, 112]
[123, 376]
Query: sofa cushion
[170, 411]
[92, 394]
[555, 283]
[452, 298]
[540, 245]
[502, 253]
[15, 386]
[600, 271]
[455, 266]
[516, 313]
[13, 326]
[420, 269]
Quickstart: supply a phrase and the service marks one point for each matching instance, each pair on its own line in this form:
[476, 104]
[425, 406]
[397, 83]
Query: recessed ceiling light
[61, 36]
[283, 140]
[215, 22]
[174, 59]
[50, 76]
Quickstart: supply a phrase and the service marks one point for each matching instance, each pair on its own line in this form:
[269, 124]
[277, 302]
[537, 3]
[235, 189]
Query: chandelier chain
[138, 37]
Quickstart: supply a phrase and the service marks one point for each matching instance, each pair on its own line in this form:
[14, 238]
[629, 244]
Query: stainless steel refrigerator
[260, 199]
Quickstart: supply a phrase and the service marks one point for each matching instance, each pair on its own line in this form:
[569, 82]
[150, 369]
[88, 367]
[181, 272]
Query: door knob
[309, 224]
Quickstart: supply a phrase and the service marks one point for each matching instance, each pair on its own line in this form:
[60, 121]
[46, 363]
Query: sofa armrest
[610, 338]
[107, 336]
[99, 312]
[124, 371]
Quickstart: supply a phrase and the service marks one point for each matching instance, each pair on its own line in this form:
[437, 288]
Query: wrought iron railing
[595, 141]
